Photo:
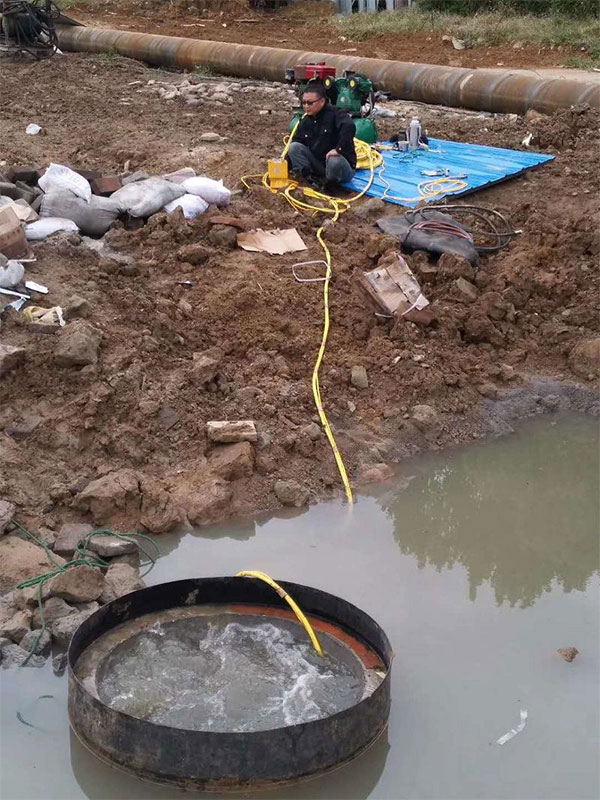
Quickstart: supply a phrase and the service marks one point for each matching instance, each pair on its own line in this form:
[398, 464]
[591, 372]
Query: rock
[239, 431]
[10, 358]
[568, 653]
[423, 316]
[28, 642]
[223, 236]
[507, 373]
[291, 493]
[78, 584]
[374, 473]
[232, 461]
[196, 254]
[59, 664]
[20, 560]
[367, 209]
[488, 390]
[479, 328]
[451, 266]
[69, 536]
[78, 345]
[110, 546]
[158, 512]
[133, 559]
[209, 503]
[17, 626]
[8, 607]
[7, 512]
[26, 598]
[493, 305]
[204, 369]
[466, 291]
[54, 608]
[116, 491]
[168, 417]
[77, 307]
[126, 499]
[47, 535]
[13, 655]
[120, 579]
[551, 402]
[359, 378]
[424, 417]
[209, 136]
[313, 431]
[584, 358]
[64, 628]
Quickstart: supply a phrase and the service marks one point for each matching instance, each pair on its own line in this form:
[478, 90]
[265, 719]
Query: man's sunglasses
[310, 102]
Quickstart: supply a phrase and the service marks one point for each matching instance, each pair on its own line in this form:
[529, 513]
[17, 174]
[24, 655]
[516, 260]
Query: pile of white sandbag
[69, 201]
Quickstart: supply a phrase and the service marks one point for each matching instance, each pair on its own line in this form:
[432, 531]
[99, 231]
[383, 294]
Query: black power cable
[29, 26]
[496, 226]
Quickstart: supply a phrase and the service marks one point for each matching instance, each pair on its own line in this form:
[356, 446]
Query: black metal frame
[219, 760]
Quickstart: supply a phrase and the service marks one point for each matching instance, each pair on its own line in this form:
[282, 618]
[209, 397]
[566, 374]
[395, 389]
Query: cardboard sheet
[276, 242]
[394, 288]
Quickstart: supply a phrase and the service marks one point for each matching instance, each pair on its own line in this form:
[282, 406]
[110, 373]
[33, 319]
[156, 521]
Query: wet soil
[304, 26]
[140, 408]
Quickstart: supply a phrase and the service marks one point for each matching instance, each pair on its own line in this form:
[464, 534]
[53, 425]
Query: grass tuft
[480, 29]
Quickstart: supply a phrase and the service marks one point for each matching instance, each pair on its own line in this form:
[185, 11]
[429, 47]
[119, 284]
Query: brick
[106, 186]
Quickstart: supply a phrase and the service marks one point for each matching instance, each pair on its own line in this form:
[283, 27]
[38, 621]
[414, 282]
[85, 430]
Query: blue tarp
[481, 165]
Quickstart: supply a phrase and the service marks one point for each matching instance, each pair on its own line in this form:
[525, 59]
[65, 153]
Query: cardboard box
[13, 243]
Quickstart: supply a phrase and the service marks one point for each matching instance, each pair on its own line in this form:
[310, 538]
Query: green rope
[82, 559]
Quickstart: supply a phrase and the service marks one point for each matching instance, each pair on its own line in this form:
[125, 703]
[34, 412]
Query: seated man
[323, 145]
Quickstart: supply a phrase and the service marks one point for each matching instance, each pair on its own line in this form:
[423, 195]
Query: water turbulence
[214, 683]
[229, 672]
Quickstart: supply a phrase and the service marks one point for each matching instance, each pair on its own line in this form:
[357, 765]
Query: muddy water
[478, 563]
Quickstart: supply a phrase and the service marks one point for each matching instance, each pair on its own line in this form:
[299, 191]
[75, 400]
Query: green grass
[479, 29]
[203, 71]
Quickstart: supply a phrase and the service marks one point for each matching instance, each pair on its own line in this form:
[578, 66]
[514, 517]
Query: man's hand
[332, 153]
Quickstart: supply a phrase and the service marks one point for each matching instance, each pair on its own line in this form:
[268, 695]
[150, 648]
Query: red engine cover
[310, 72]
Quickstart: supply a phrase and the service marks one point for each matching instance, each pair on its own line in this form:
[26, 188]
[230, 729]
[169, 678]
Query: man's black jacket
[330, 129]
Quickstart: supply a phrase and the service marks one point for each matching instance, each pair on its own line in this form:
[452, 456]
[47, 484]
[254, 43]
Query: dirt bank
[135, 420]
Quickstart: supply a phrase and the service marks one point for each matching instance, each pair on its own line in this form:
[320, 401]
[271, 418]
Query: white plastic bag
[11, 273]
[59, 177]
[191, 204]
[209, 190]
[46, 226]
[144, 198]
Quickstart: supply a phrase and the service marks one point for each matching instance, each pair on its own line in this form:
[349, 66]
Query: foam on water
[213, 673]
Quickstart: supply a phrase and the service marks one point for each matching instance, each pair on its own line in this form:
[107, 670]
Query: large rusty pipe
[479, 89]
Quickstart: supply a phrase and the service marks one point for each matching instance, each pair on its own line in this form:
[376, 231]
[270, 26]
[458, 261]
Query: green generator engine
[353, 92]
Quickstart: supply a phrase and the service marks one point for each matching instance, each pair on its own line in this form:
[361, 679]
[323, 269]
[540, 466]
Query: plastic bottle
[414, 134]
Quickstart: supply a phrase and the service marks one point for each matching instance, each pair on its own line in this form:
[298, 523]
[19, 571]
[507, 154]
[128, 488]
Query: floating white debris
[514, 731]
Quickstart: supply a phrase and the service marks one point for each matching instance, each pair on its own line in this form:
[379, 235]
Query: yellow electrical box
[278, 173]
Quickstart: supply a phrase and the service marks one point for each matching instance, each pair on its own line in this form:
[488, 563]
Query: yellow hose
[262, 576]
[366, 157]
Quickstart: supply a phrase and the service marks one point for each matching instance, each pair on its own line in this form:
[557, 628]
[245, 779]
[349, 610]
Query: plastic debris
[36, 287]
[514, 731]
[11, 272]
[32, 129]
[45, 316]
